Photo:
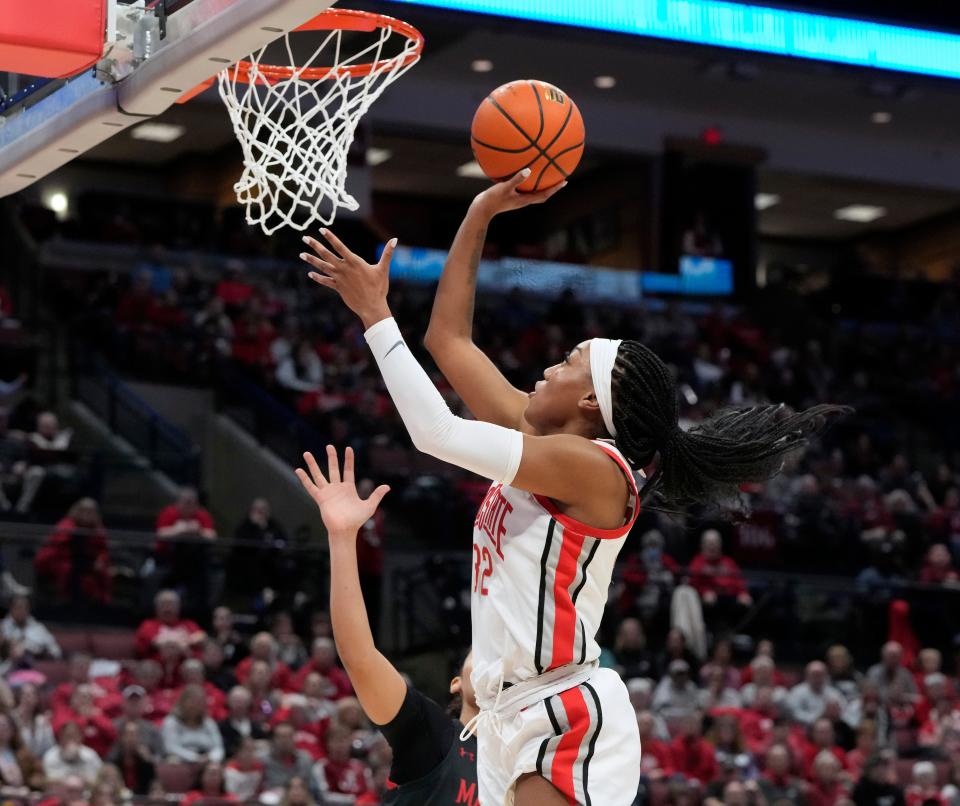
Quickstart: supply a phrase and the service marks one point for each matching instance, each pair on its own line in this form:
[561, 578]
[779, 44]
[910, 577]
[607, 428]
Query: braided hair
[707, 464]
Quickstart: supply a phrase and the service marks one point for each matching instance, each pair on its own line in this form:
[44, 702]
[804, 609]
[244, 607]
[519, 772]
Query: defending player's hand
[504, 196]
[342, 509]
[361, 285]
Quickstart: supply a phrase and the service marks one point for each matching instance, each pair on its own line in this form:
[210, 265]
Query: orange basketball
[528, 124]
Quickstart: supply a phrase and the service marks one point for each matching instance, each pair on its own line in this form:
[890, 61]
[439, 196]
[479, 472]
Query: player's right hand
[504, 196]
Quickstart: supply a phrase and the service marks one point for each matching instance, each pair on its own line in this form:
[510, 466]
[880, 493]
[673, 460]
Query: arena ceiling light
[881, 117]
[604, 82]
[471, 170]
[58, 201]
[764, 201]
[378, 156]
[157, 132]
[755, 28]
[860, 213]
[481, 65]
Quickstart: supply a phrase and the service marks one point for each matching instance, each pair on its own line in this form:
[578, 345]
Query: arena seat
[56, 671]
[113, 644]
[905, 771]
[791, 677]
[72, 641]
[904, 740]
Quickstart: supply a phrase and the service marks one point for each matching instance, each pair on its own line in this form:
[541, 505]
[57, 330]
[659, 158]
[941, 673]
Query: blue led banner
[733, 25]
[697, 276]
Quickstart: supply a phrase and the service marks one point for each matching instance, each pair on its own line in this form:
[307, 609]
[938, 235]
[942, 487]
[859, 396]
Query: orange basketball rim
[333, 19]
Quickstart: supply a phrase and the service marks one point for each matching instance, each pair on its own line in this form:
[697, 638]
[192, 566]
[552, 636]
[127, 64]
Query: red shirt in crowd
[917, 796]
[308, 736]
[282, 677]
[68, 545]
[234, 293]
[937, 574]
[134, 307]
[251, 342]
[812, 751]
[171, 515]
[635, 576]
[746, 676]
[103, 688]
[196, 796]
[349, 777]
[820, 795]
[339, 683]
[658, 751]
[370, 545]
[153, 631]
[98, 731]
[695, 758]
[721, 576]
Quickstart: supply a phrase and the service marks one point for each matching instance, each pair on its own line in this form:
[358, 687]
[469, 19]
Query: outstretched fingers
[333, 465]
[348, 476]
[322, 251]
[387, 253]
[337, 244]
[315, 472]
[322, 279]
[377, 495]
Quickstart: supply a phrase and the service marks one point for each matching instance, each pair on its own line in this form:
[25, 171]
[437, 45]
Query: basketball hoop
[296, 123]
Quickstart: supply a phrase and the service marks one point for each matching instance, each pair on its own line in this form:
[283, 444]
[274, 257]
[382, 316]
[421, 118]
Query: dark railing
[137, 570]
[802, 613]
[167, 448]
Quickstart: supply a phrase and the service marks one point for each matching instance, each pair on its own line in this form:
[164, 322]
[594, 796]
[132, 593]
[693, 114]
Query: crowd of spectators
[877, 501]
[188, 714]
[36, 456]
[224, 715]
[258, 566]
[876, 505]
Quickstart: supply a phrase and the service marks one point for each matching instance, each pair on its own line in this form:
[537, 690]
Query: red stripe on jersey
[564, 611]
[578, 527]
[568, 748]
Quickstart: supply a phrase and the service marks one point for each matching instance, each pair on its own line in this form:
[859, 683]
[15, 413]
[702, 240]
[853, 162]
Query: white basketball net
[295, 133]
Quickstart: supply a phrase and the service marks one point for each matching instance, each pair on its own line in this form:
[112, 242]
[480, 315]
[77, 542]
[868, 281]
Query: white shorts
[583, 740]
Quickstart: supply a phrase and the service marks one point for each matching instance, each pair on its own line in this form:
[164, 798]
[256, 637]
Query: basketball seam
[563, 126]
[499, 148]
[558, 154]
[543, 121]
[519, 128]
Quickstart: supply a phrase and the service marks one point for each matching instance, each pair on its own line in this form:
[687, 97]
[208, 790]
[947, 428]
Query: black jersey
[431, 765]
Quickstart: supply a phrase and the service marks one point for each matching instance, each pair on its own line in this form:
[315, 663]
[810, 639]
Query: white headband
[603, 354]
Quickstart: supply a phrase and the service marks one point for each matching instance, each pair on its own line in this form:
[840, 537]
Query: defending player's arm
[379, 686]
[562, 467]
[487, 393]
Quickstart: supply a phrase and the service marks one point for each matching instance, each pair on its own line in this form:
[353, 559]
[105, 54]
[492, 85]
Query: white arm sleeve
[488, 450]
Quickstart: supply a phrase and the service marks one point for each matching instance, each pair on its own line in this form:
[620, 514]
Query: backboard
[153, 53]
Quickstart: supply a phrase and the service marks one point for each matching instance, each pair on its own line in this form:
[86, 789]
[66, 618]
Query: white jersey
[540, 584]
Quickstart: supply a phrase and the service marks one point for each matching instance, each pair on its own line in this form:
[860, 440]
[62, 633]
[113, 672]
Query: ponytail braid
[707, 464]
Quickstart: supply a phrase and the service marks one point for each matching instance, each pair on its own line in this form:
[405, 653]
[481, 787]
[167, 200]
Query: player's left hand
[361, 285]
[341, 507]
